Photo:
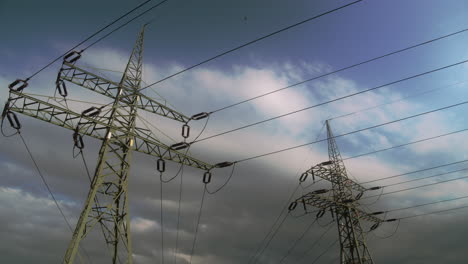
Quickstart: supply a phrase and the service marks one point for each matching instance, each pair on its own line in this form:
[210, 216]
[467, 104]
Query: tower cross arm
[322, 202]
[326, 172]
[97, 127]
[76, 75]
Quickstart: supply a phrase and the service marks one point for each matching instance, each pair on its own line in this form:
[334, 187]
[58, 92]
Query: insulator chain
[207, 177]
[320, 213]
[185, 131]
[92, 111]
[72, 57]
[13, 120]
[60, 85]
[303, 177]
[78, 140]
[18, 85]
[161, 165]
[292, 206]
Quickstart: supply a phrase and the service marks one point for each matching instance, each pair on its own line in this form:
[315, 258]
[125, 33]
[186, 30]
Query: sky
[235, 220]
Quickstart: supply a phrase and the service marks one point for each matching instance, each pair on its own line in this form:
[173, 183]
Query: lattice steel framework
[343, 202]
[107, 201]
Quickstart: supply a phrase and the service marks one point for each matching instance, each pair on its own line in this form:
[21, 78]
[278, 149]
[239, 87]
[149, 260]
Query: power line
[314, 244]
[198, 223]
[298, 240]
[399, 100]
[416, 171]
[252, 256]
[252, 42]
[353, 132]
[326, 250]
[283, 208]
[416, 187]
[49, 189]
[426, 204]
[406, 144]
[341, 69]
[424, 178]
[331, 101]
[434, 212]
[123, 25]
[178, 215]
[257, 258]
[162, 218]
[88, 38]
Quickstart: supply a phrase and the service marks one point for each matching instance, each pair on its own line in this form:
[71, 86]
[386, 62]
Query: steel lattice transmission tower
[115, 125]
[342, 200]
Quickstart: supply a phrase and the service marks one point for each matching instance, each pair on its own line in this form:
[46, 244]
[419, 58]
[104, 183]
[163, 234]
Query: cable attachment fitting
[303, 177]
[78, 139]
[391, 220]
[200, 116]
[375, 188]
[320, 191]
[61, 88]
[161, 165]
[359, 196]
[207, 177]
[92, 111]
[377, 213]
[347, 201]
[13, 120]
[6, 109]
[18, 85]
[328, 162]
[224, 164]
[292, 206]
[320, 213]
[72, 57]
[179, 146]
[375, 226]
[185, 131]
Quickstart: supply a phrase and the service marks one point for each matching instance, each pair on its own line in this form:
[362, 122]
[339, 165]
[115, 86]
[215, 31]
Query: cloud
[234, 221]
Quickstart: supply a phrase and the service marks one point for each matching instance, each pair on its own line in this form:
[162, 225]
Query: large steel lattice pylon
[353, 248]
[115, 125]
[107, 201]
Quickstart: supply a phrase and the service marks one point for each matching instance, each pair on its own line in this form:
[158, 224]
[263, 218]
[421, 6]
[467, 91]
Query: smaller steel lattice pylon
[342, 200]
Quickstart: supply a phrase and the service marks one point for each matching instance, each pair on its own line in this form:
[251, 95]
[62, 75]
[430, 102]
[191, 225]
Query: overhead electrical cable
[293, 246]
[257, 258]
[284, 208]
[434, 212]
[178, 216]
[253, 41]
[331, 101]
[316, 242]
[343, 69]
[398, 100]
[123, 25]
[353, 132]
[49, 190]
[427, 177]
[416, 187]
[426, 204]
[407, 144]
[198, 224]
[89, 37]
[416, 171]
[325, 251]
[277, 220]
